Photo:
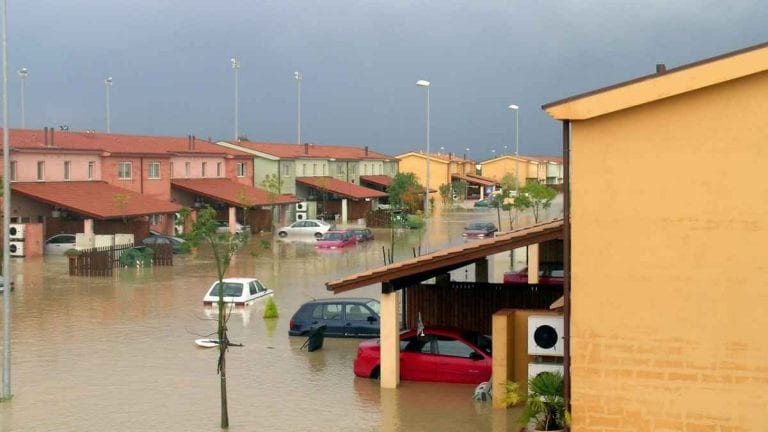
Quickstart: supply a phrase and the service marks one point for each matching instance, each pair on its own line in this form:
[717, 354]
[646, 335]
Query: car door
[59, 244]
[330, 314]
[458, 362]
[360, 321]
[416, 359]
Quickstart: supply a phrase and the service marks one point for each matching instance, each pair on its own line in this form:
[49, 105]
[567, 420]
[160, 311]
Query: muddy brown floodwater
[117, 354]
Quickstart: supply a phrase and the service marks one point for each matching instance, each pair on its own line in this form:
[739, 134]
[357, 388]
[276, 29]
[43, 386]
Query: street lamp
[425, 84]
[236, 67]
[108, 85]
[516, 109]
[298, 77]
[23, 72]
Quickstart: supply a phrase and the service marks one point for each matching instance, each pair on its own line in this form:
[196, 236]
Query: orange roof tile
[94, 199]
[349, 190]
[381, 180]
[482, 181]
[232, 193]
[298, 151]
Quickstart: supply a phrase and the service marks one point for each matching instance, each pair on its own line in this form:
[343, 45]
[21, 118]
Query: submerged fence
[102, 261]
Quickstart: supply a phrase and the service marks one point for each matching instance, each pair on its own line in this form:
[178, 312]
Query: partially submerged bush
[270, 309]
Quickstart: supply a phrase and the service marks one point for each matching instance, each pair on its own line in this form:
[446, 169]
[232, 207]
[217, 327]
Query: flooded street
[117, 354]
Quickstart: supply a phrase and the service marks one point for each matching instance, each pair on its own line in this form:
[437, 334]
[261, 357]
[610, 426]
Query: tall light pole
[236, 67]
[516, 109]
[425, 84]
[7, 273]
[298, 77]
[108, 85]
[23, 72]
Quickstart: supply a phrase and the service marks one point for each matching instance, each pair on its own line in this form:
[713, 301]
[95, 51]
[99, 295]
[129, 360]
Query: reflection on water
[117, 354]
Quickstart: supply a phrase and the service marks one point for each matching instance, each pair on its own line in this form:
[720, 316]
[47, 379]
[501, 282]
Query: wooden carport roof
[407, 273]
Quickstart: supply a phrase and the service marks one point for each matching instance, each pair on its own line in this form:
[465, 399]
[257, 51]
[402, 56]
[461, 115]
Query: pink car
[442, 354]
[336, 240]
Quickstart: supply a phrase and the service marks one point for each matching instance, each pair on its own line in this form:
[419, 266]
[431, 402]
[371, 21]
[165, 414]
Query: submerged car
[479, 230]
[362, 234]
[156, 239]
[313, 227]
[342, 317]
[439, 354]
[549, 274]
[223, 227]
[237, 291]
[59, 244]
[336, 240]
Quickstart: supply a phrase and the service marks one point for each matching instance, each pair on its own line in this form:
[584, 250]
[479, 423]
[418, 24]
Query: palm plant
[545, 407]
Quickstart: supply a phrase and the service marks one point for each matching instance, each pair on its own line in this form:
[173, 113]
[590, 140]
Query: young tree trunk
[223, 374]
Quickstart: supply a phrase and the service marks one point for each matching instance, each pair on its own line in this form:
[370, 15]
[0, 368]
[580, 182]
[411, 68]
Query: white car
[59, 244]
[313, 227]
[224, 227]
[239, 291]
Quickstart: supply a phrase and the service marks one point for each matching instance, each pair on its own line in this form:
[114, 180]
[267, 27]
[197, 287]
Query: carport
[397, 277]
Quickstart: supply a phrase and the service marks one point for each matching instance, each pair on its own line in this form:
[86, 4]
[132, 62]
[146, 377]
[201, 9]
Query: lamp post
[298, 77]
[516, 109]
[7, 271]
[236, 67]
[23, 72]
[107, 86]
[425, 84]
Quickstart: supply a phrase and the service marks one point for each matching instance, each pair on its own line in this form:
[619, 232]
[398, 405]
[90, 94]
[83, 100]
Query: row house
[540, 169]
[335, 182]
[105, 183]
[446, 168]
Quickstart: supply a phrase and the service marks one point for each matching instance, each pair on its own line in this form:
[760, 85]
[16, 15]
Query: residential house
[327, 177]
[667, 287]
[541, 169]
[445, 168]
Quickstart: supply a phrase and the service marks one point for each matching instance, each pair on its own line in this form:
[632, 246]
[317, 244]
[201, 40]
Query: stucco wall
[26, 166]
[438, 171]
[669, 235]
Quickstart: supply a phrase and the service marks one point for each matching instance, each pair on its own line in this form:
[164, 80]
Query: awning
[232, 193]
[379, 180]
[94, 199]
[475, 180]
[347, 190]
[415, 270]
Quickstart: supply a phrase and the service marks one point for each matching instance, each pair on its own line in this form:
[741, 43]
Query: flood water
[117, 354]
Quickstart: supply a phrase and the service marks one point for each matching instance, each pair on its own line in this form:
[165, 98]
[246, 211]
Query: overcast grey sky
[360, 60]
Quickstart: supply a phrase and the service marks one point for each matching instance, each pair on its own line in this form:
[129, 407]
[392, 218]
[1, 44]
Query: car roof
[238, 280]
[342, 300]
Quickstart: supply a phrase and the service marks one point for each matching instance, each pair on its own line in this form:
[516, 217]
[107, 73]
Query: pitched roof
[309, 151]
[232, 193]
[438, 157]
[381, 180]
[663, 84]
[94, 199]
[33, 139]
[535, 159]
[349, 190]
[421, 268]
[476, 180]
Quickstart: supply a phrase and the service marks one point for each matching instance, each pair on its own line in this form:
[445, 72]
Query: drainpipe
[141, 175]
[567, 260]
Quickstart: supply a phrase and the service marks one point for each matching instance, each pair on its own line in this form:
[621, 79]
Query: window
[339, 169]
[448, 346]
[286, 170]
[124, 170]
[314, 170]
[91, 169]
[304, 169]
[327, 311]
[171, 169]
[365, 169]
[203, 166]
[417, 344]
[67, 166]
[241, 169]
[353, 170]
[154, 170]
[40, 170]
[256, 287]
[187, 169]
[218, 169]
[323, 169]
[155, 219]
[356, 313]
[13, 170]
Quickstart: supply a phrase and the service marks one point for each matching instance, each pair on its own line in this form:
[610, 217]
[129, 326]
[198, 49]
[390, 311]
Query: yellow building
[667, 245]
[545, 170]
[442, 166]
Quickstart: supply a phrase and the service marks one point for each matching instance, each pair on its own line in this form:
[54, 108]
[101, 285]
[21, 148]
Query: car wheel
[376, 373]
[282, 233]
[318, 235]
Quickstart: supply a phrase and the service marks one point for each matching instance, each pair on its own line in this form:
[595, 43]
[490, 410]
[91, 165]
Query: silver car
[313, 227]
[59, 244]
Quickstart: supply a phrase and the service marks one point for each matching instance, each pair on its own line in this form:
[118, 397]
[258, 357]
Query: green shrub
[68, 252]
[131, 257]
[185, 248]
[270, 310]
[414, 221]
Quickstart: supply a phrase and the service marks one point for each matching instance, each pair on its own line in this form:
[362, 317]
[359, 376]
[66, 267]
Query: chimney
[189, 142]
[45, 136]
[306, 148]
[366, 151]
[194, 143]
[450, 155]
[51, 141]
[661, 68]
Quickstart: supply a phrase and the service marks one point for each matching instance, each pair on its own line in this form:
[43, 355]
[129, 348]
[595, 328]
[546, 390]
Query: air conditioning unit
[301, 206]
[16, 248]
[301, 216]
[545, 335]
[16, 231]
[535, 369]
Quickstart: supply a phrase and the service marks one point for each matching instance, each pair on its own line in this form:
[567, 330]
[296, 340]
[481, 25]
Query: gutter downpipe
[567, 260]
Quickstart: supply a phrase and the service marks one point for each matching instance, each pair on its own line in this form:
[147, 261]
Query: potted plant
[545, 406]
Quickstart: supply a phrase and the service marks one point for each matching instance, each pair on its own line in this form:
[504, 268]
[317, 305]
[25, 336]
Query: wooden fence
[470, 305]
[103, 260]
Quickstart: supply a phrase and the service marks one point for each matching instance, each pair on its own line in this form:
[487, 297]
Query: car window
[374, 306]
[449, 346]
[332, 311]
[149, 240]
[311, 224]
[418, 344]
[355, 312]
[317, 312]
[62, 239]
[479, 340]
[253, 288]
[230, 290]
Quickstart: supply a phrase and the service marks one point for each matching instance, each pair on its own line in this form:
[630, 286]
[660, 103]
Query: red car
[442, 354]
[336, 240]
[549, 274]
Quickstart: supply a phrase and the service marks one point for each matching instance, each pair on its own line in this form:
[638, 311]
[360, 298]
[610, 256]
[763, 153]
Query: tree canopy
[406, 192]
